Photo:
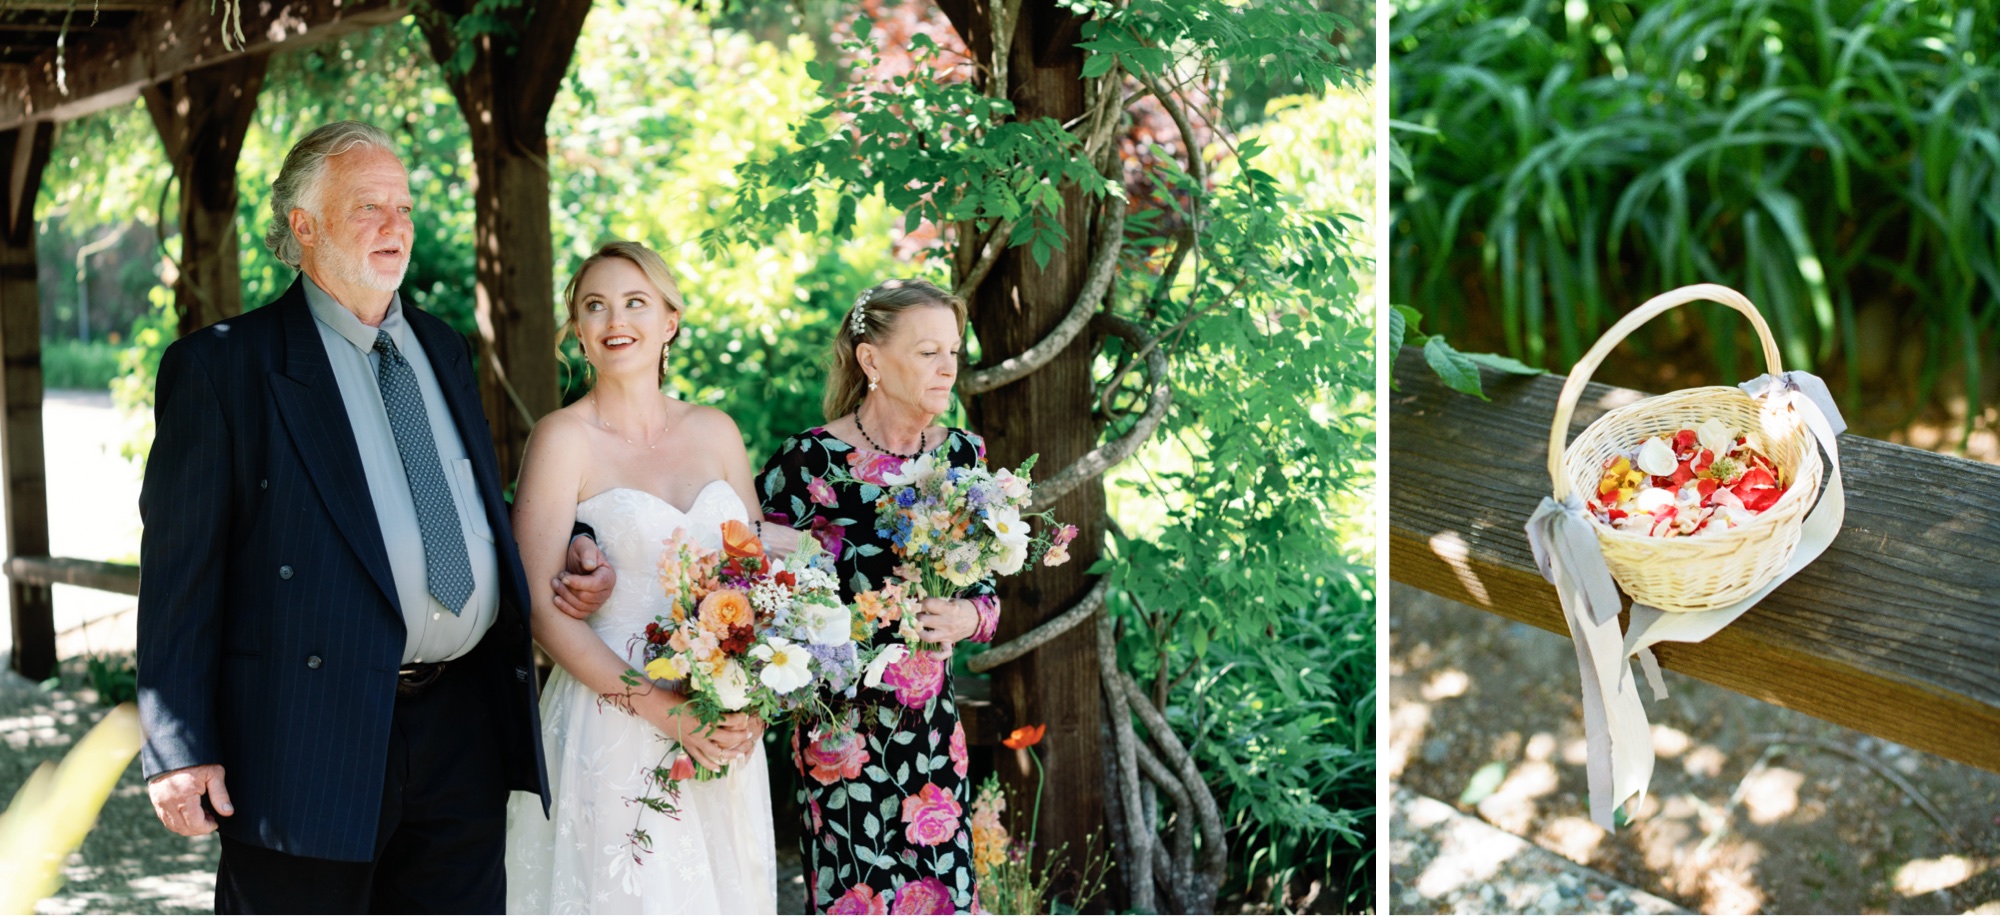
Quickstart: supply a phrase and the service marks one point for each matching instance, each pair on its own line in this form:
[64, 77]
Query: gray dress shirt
[434, 634]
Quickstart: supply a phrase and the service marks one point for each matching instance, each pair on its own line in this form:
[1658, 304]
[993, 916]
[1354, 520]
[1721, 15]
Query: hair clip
[858, 321]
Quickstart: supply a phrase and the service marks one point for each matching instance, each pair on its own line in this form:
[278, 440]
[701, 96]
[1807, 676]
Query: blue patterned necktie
[447, 570]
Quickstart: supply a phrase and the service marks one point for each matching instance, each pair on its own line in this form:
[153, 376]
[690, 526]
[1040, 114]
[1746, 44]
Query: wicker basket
[1711, 570]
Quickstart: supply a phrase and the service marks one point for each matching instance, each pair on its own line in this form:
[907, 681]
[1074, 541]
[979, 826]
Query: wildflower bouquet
[953, 526]
[744, 633]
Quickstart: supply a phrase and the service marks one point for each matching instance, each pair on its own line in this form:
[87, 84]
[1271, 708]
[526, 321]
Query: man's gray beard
[347, 269]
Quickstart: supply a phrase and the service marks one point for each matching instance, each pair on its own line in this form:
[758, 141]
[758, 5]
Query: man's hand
[586, 580]
[177, 799]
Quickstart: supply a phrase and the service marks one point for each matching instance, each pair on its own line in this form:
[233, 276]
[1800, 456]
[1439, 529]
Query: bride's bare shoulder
[560, 434]
[704, 421]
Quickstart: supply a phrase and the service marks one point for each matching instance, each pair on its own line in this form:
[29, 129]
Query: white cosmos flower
[890, 655]
[787, 666]
[1657, 457]
[1006, 523]
[1013, 554]
[827, 625]
[1716, 436]
[732, 686]
[914, 471]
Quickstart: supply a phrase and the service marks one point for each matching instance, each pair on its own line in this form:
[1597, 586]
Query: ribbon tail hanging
[1616, 735]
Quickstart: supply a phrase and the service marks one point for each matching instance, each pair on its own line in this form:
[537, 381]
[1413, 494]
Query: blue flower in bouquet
[906, 498]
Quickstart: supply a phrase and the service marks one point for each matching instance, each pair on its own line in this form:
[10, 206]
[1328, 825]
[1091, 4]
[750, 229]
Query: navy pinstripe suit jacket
[269, 629]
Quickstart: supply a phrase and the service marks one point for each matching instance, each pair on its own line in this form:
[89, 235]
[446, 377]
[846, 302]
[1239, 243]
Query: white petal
[1657, 457]
[1652, 499]
[1716, 437]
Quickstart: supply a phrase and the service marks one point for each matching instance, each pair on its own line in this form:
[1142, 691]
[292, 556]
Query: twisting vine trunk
[1030, 321]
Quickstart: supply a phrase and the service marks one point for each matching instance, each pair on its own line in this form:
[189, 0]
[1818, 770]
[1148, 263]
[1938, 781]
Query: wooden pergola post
[57, 70]
[202, 115]
[1047, 412]
[24, 150]
[505, 95]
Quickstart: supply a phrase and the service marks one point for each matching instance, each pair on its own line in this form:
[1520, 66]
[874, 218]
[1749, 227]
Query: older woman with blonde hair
[885, 809]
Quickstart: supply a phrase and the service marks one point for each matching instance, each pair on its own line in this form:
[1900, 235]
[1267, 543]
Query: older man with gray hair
[334, 659]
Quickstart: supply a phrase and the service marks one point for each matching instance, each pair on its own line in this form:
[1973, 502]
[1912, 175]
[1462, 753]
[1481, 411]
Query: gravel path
[1753, 808]
[1442, 861]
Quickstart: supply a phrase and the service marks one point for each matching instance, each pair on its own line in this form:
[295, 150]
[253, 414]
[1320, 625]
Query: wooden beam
[48, 30]
[202, 115]
[1893, 631]
[24, 150]
[102, 69]
[87, 7]
[505, 96]
[69, 571]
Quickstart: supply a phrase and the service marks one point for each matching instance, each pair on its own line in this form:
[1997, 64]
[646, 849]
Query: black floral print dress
[886, 809]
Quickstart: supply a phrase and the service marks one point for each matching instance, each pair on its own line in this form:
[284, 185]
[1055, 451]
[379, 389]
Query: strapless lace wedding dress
[719, 855]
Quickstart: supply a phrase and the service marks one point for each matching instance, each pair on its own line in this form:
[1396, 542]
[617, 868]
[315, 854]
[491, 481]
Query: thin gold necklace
[653, 446]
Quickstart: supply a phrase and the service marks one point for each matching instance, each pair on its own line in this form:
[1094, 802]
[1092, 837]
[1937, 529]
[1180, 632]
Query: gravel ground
[1442, 861]
[1753, 808]
[129, 864]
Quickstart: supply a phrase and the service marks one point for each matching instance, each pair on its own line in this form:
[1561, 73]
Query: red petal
[1684, 440]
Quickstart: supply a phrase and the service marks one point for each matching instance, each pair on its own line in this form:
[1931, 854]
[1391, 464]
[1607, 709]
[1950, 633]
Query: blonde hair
[873, 320]
[649, 263]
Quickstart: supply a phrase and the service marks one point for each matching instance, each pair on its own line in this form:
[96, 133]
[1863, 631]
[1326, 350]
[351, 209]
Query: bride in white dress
[636, 466]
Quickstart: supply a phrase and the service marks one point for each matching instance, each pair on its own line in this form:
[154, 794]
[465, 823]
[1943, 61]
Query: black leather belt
[412, 679]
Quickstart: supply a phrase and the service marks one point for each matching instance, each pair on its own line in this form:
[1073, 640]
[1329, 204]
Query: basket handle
[1580, 376]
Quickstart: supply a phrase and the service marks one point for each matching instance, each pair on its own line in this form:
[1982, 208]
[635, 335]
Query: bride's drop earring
[873, 385]
[664, 351]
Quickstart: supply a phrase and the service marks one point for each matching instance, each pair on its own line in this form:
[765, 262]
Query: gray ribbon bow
[1566, 545]
[1807, 384]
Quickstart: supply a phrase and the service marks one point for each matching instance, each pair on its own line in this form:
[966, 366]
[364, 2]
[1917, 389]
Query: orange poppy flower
[1024, 737]
[739, 541]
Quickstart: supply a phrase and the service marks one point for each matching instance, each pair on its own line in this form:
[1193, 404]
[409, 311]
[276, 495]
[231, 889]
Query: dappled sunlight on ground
[1752, 808]
[1921, 877]
[1443, 861]
[128, 862]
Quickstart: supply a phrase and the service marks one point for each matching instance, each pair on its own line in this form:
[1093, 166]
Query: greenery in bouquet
[743, 633]
[954, 526]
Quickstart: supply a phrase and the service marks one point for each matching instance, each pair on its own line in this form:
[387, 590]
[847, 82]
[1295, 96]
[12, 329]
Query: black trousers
[440, 847]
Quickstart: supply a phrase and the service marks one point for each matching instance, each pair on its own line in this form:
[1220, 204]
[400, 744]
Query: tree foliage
[1252, 290]
[1835, 161]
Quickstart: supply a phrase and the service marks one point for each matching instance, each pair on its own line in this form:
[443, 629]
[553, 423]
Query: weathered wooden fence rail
[1894, 631]
[69, 571]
